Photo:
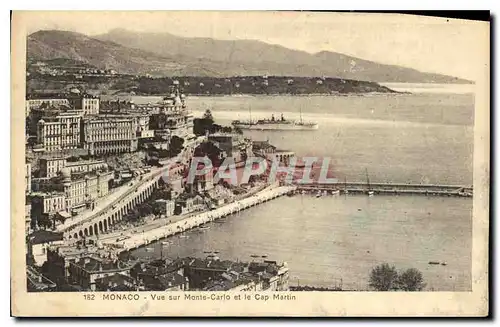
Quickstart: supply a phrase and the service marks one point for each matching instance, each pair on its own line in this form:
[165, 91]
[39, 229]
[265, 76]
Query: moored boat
[275, 124]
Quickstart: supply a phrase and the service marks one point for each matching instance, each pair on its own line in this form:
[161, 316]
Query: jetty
[170, 229]
[390, 189]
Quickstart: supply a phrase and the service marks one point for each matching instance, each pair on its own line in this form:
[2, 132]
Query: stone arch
[86, 231]
[91, 230]
[105, 225]
[109, 220]
[95, 229]
[75, 236]
[100, 227]
[80, 233]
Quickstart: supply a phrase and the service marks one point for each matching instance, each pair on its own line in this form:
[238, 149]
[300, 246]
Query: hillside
[48, 45]
[168, 55]
[249, 57]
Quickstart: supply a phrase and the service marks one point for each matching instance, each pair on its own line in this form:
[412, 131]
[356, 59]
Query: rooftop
[115, 279]
[171, 279]
[211, 264]
[44, 236]
[93, 265]
[36, 96]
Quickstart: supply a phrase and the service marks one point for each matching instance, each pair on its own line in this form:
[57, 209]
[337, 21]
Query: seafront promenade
[137, 240]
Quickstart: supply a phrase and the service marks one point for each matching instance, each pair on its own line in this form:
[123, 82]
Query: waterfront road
[122, 230]
[139, 236]
[104, 204]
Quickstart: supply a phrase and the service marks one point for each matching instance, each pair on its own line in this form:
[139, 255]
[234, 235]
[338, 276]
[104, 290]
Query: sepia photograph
[249, 163]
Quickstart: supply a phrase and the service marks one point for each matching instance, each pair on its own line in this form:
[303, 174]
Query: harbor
[354, 231]
[423, 221]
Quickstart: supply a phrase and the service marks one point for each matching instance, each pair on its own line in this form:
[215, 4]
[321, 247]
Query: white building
[27, 181]
[37, 102]
[110, 134]
[60, 132]
[167, 207]
[50, 167]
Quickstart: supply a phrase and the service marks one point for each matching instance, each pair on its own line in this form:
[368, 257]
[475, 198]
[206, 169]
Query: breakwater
[390, 189]
[137, 240]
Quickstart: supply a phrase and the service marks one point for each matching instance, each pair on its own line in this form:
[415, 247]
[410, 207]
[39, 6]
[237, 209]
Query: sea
[425, 136]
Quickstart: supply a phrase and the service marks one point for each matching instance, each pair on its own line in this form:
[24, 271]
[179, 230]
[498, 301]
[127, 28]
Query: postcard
[284, 164]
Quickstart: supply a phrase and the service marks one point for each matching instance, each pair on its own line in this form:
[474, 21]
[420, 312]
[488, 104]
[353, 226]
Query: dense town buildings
[69, 192]
[51, 166]
[84, 268]
[85, 271]
[64, 189]
[45, 100]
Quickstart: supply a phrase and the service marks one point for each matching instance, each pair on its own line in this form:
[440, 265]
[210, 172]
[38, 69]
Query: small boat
[443, 263]
[184, 236]
[204, 228]
[345, 186]
[336, 192]
[318, 195]
[150, 249]
[255, 256]
[325, 193]
[303, 192]
[434, 262]
[165, 243]
[264, 256]
[370, 191]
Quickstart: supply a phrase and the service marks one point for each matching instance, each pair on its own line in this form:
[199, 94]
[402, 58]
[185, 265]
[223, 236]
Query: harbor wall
[391, 188]
[138, 240]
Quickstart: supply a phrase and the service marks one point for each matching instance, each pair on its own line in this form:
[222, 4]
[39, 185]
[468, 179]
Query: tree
[237, 130]
[208, 115]
[204, 124]
[411, 280]
[176, 146]
[384, 277]
[44, 222]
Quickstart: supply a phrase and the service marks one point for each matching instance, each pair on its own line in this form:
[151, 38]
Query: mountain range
[164, 54]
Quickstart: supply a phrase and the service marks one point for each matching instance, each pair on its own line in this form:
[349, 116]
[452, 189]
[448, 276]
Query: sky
[439, 45]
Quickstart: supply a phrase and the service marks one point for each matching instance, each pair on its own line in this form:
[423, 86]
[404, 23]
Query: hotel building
[114, 133]
[60, 132]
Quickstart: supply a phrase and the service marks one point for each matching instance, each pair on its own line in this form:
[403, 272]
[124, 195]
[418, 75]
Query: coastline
[135, 241]
[252, 95]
